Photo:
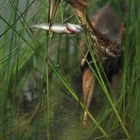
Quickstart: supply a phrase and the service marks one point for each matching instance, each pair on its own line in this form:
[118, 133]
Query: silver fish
[67, 28]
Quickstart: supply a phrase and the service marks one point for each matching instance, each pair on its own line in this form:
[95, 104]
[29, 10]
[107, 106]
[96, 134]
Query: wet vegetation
[40, 76]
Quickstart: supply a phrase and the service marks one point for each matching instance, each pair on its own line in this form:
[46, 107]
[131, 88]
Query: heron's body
[107, 47]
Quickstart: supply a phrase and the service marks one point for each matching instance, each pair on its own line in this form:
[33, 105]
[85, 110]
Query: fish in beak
[67, 28]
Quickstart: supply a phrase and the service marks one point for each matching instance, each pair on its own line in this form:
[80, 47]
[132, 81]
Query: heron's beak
[53, 8]
[67, 28]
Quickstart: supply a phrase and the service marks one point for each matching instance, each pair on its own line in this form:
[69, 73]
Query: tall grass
[40, 77]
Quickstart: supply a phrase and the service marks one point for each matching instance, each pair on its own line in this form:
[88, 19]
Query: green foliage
[40, 77]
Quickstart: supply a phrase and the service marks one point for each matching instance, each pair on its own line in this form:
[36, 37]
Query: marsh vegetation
[40, 76]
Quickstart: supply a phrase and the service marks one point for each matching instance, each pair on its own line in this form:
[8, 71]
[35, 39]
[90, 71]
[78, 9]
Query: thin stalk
[47, 86]
[47, 75]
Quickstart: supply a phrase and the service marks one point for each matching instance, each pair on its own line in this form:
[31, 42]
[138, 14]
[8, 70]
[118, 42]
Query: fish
[67, 28]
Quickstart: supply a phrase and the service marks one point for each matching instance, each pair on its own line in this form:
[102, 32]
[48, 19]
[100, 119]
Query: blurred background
[40, 76]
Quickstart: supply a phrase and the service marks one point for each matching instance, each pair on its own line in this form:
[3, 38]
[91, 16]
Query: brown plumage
[107, 31]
